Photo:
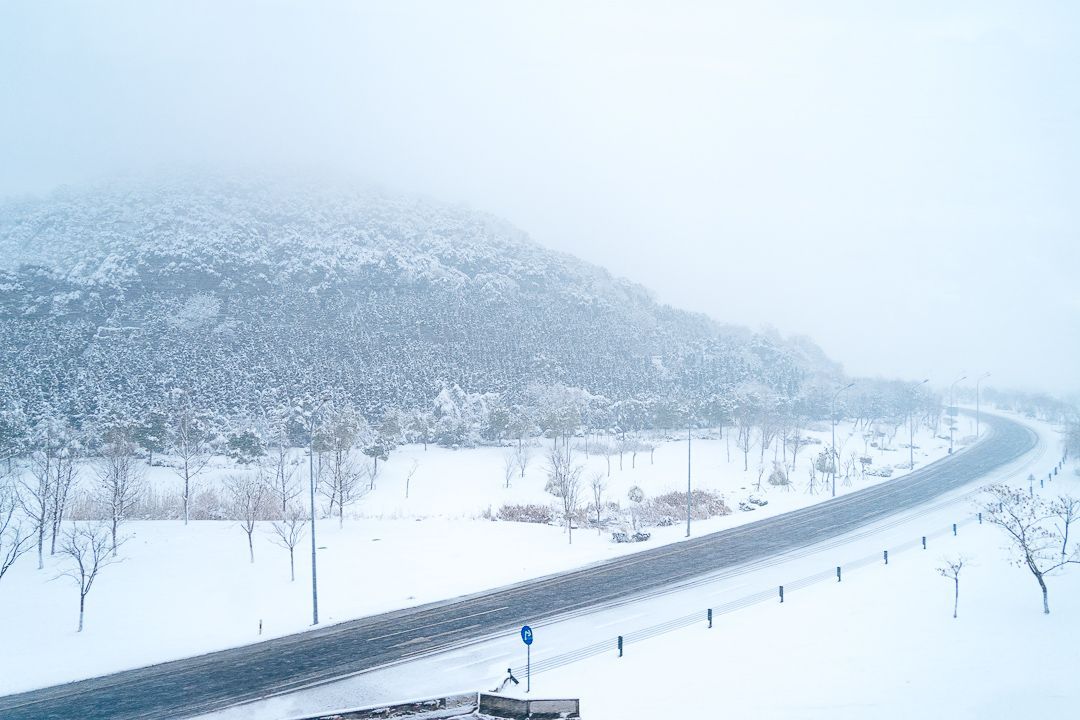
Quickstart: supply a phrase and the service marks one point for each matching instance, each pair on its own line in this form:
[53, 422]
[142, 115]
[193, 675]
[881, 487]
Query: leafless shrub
[87, 547]
[528, 513]
[670, 508]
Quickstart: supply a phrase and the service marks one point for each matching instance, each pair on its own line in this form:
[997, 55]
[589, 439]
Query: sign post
[527, 638]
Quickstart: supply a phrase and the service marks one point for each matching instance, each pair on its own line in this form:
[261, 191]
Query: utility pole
[911, 423]
[688, 475]
[311, 485]
[832, 416]
[952, 410]
[981, 378]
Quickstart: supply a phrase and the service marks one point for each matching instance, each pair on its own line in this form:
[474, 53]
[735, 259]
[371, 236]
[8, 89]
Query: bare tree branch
[289, 531]
[1037, 542]
[87, 547]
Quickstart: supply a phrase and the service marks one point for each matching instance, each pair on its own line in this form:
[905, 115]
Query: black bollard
[980, 518]
[837, 573]
[886, 557]
[781, 593]
[923, 542]
[710, 617]
[954, 529]
[620, 646]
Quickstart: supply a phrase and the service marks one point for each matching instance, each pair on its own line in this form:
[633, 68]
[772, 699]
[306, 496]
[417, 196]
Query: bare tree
[636, 496]
[247, 498]
[87, 547]
[289, 531]
[509, 467]
[422, 423]
[35, 498]
[54, 473]
[283, 481]
[65, 476]
[598, 486]
[766, 433]
[744, 440]
[57, 456]
[951, 569]
[607, 450]
[522, 454]
[350, 485]
[342, 481]
[633, 446]
[119, 479]
[14, 538]
[564, 482]
[1036, 540]
[335, 444]
[795, 438]
[409, 477]
[1066, 510]
[372, 473]
[341, 477]
[187, 440]
[811, 486]
[650, 448]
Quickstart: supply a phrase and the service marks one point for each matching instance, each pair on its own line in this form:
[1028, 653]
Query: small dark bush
[526, 513]
[670, 508]
[624, 537]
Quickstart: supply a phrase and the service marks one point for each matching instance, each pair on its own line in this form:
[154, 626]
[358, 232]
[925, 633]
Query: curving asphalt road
[184, 688]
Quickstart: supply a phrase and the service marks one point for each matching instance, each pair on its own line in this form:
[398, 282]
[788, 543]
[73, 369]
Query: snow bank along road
[209, 682]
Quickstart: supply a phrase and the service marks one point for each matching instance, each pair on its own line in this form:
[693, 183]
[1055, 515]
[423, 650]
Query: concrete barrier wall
[508, 707]
[498, 706]
[464, 703]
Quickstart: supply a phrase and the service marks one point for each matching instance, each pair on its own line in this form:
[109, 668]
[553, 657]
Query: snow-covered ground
[880, 644]
[181, 591]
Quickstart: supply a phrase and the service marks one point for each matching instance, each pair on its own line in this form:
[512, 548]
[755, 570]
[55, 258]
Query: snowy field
[181, 591]
[882, 644]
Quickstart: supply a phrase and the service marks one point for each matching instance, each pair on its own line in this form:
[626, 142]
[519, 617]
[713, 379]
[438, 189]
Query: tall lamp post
[311, 484]
[688, 474]
[981, 378]
[911, 423]
[952, 410]
[832, 416]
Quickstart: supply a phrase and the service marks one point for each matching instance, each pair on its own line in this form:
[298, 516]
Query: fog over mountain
[248, 295]
[897, 183]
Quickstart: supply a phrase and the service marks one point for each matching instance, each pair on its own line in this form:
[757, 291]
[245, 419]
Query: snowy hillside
[246, 295]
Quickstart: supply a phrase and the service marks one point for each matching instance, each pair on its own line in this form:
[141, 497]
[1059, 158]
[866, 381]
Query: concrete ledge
[431, 709]
[508, 707]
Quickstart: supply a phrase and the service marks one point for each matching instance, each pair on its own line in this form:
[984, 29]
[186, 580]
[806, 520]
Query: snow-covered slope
[245, 292]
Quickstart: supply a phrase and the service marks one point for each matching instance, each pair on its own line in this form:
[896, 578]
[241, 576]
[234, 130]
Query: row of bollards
[885, 553]
[839, 578]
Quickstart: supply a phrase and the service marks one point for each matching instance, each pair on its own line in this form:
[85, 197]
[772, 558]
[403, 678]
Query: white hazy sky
[899, 180]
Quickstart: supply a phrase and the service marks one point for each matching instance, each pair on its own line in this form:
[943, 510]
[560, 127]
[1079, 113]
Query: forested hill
[248, 295]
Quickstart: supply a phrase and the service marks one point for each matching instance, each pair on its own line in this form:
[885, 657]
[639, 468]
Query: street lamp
[311, 483]
[981, 378]
[688, 475]
[689, 424]
[911, 423]
[952, 410]
[832, 416]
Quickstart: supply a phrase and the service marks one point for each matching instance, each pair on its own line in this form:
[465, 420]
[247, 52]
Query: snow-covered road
[752, 586]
